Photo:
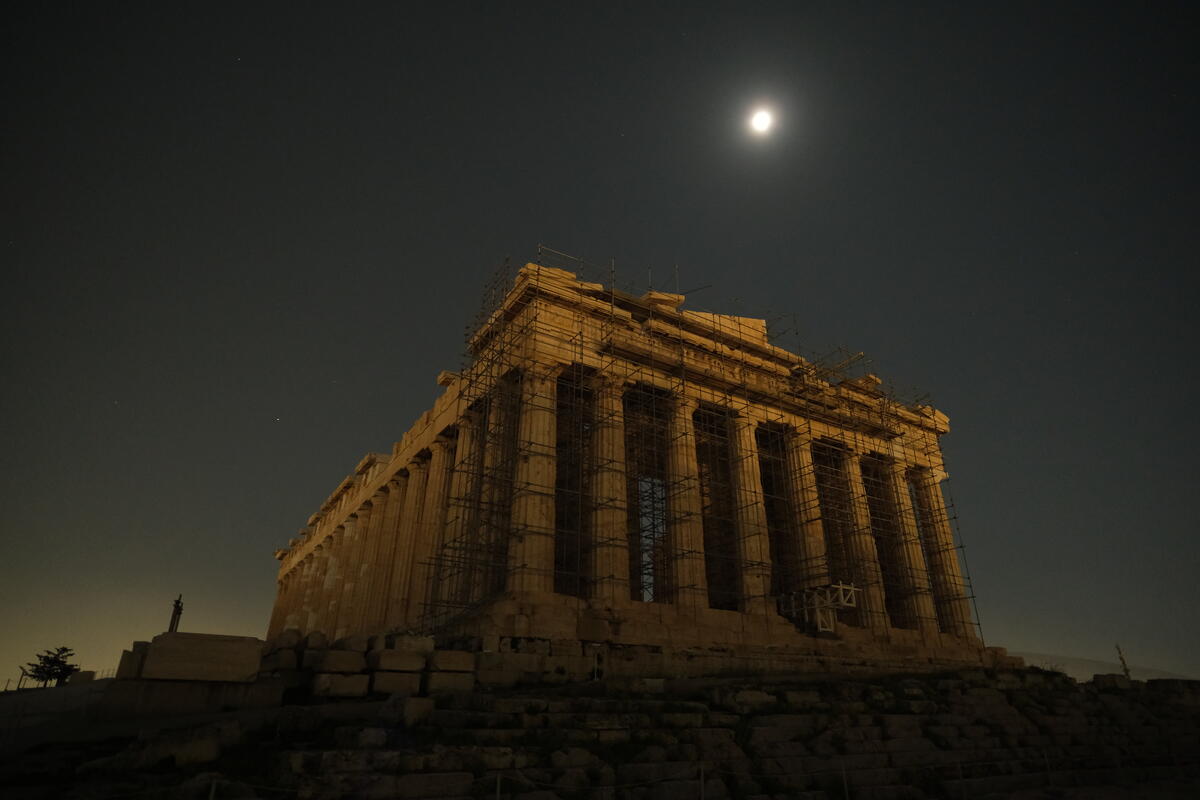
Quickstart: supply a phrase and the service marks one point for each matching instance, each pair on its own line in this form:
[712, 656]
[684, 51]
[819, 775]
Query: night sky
[241, 240]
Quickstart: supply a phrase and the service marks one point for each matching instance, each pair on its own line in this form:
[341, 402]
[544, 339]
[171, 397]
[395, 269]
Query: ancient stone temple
[619, 474]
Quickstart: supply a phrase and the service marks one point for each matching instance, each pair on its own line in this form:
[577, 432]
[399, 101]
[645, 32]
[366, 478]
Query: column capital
[605, 383]
[537, 371]
[685, 403]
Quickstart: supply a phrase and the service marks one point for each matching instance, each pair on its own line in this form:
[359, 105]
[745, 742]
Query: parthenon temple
[611, 469]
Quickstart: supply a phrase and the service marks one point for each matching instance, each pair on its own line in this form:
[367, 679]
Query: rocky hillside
[967, 734]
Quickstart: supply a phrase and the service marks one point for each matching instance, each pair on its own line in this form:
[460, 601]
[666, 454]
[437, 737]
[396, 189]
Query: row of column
[929, 580]
[372, 572]
[369, 574]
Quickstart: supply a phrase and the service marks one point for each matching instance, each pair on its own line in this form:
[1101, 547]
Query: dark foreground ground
[1024, 734]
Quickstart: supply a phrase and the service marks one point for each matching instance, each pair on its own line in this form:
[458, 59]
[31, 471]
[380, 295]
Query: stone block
[316, 641]
[371, 738]
[395, 661]
[500, 678]
[130, 665]
[341, 661]
[412, 644]
[289, 639]
[416, 710]
[311, 659]
[279, 660]
[801, 700]
[451, 661]
[202, 657]
[433, 784]
[357, 643]
[328, 684]
[401, 683]
[450, 682]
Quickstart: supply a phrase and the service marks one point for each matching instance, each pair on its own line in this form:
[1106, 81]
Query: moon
[761, 121]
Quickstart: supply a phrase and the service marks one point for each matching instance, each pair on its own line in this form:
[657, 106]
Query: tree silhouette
[51, 665]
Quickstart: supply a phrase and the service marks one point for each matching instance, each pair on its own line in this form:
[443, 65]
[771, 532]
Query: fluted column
[318, 615]
[531, 551]
[814, 563]
[429, 532]
[863, 555]
[335, 574]
[297, 615]
[396, 615]
[367, 565]
[754, 548]
[382, 554]
[610, 523]
[356, 534]
[462, 511]
[918, 600]
[949, 589]
[685, 508]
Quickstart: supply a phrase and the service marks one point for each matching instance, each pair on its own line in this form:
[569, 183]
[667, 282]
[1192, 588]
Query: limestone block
[280, 659]
[288, 639]
[326, 684]
[451, 682]
[316, 641]
[801, 700]
[202, 657]
[311, 659]
[521, 662]
[130, 665]
[371, 738]
[401, 683]
[395, 661]
[451, 661]
[412, 644]
[502, 678]
[357, 643]
[434, 784]
[416, 710]
[341, 661]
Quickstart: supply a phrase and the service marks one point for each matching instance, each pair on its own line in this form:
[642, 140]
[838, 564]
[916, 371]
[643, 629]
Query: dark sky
[240, 241]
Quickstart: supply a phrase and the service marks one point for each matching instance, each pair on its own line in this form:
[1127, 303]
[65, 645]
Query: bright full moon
[761, 121]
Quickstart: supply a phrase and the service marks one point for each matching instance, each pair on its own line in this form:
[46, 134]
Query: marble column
[396, 615]
[335, 574]
[462, 513]
[428, 538]
[610, 523]
[318, 613]
[918, 601]
[367, 566]
[861, 551]
[754, 548]
[348, 619]
[531, 550]
[949, 589]
[685, 507]
[381, 554]
[304, 596]
[806, 504]
[297, 615]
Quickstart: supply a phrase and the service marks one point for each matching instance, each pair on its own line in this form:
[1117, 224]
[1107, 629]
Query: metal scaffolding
[757, 495]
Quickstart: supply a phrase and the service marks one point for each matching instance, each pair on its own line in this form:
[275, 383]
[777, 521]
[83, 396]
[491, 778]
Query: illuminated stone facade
[612, 472]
